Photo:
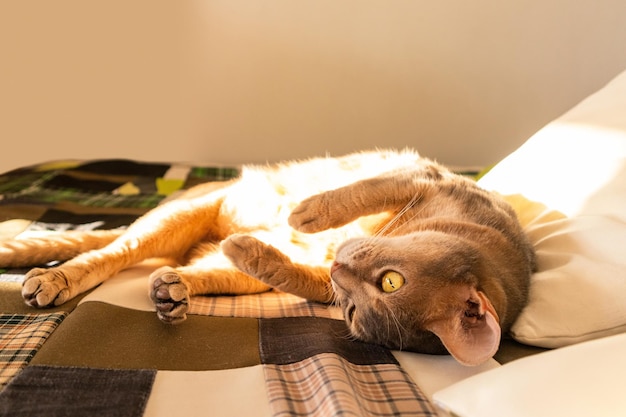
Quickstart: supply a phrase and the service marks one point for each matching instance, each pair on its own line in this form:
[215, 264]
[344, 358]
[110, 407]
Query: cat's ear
[473, 336]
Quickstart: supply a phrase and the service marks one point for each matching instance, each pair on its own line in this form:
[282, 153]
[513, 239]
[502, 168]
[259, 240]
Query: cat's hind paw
[169, 295]
[45, 288]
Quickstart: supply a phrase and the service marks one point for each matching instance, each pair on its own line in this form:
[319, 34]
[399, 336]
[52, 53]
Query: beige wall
[248, 81]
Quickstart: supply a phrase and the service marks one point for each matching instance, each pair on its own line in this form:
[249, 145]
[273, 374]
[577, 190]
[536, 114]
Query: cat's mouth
[334, 267]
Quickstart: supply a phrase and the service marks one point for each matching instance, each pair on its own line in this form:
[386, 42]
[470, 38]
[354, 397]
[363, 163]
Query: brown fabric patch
[11, 301]
[21, 211]
[100, 335]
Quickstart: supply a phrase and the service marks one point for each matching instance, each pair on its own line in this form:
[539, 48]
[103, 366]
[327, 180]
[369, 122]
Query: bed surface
[107, 353]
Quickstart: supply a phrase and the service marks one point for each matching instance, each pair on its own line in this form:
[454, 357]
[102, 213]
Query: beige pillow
[582, 380]
[568, 185]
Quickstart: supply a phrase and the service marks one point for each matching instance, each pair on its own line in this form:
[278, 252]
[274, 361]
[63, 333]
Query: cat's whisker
[332, 296]
[408, 220]
[347, 335]
[387, 317]
[350, 336]
[334, 300]
[398, 325]
[383, 231]
[399, 328]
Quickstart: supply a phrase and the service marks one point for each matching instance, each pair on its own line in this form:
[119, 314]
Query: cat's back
[266, 194]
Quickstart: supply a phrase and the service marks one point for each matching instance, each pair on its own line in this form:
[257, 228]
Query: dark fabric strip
[91, 186]
[107, 221]
[289, 340]
[58, 391]
[123, 167]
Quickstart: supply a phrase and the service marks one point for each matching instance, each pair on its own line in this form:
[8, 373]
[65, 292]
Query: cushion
[581, 380]
[568, 186]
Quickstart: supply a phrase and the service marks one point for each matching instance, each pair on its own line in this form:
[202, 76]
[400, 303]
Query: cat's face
[395, 291]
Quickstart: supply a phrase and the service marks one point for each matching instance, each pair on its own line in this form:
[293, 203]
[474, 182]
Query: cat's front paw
[312, 215]
[253, 257]
[45, 287]
[169, 295]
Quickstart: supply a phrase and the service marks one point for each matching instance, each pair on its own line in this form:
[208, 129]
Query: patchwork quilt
[106, 353]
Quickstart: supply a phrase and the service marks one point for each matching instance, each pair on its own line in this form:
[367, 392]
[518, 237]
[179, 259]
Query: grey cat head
[419, 292]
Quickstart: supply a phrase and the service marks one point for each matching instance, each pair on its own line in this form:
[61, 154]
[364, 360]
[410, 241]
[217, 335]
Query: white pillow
[568, 185]
[582, 380]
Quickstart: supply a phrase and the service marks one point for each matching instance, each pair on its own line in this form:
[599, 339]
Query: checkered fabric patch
[21, 335]
[266, 305]
[327, 384]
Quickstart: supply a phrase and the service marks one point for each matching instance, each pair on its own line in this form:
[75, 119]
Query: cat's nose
[335, 266]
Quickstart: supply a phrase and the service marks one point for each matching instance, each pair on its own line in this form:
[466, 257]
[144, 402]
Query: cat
[417, 257]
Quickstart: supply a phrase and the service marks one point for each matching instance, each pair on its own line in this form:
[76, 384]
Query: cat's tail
[59, 246]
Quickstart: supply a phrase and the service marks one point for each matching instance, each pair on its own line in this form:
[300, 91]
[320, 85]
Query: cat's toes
[243, 251]
[45, 288]
[311, 215]
[252, 256]
[169, 295]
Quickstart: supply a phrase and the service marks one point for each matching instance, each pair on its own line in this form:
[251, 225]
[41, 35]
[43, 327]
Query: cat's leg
[166, 231]
[171, 288]
[56, 246]
[269, 265]
[387, 192]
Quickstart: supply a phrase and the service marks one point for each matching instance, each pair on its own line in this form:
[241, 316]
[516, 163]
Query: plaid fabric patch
[20, 338]
[266, 305]
[38, 194]
[327, 384]
[17, 182]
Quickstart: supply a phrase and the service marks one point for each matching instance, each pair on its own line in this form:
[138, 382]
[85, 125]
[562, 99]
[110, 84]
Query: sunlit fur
[286, 226]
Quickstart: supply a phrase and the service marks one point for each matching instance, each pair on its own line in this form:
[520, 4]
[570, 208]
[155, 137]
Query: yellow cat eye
[392, 281]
